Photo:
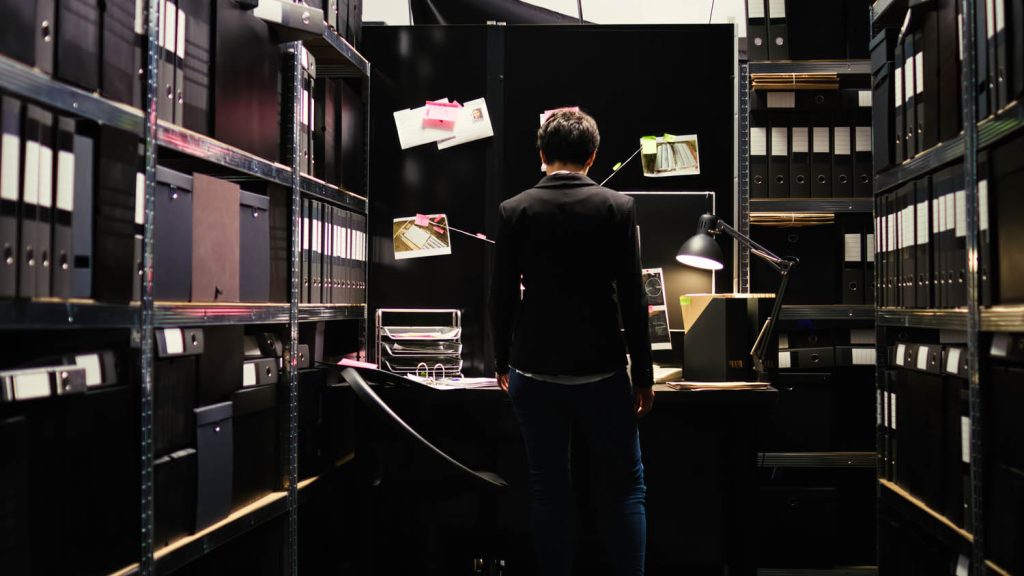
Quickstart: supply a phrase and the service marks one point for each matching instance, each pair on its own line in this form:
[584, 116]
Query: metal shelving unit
[813, 205]
[336, 58]
[1006, 122]
[922, 514]
[841, 571]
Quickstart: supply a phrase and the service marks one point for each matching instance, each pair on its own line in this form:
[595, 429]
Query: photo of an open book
[420, 236]
[670, 155]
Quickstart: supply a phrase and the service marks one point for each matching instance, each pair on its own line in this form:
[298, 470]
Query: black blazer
[574, 244]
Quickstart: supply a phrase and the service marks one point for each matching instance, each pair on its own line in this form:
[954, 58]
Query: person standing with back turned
[559, 351]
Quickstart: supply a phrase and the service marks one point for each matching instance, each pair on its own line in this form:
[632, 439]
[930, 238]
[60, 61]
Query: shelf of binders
[916, 511]
[811, 67]
[182, 552]
[26, 82]
[887, 13]
[818, 460]
[990, 130]
[827, 312]
[54, 313]
[812, 205]
[335, 57]
[994, 319]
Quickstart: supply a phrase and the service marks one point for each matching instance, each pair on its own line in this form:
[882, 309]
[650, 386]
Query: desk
[700, 455]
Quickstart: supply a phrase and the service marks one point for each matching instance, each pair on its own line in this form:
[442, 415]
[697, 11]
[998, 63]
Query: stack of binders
[334, 252]
[806, 30]
[811, 143]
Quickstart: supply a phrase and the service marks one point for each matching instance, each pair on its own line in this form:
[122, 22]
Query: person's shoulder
[617, 199]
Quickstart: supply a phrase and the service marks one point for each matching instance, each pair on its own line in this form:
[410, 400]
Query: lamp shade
[701, 251]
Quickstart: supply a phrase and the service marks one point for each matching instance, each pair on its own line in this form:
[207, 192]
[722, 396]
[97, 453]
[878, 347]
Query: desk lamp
[702, 251]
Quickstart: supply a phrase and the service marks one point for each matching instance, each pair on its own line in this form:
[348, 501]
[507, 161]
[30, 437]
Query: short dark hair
[568, 136]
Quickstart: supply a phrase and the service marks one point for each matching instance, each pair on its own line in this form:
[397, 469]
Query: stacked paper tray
[420, 342]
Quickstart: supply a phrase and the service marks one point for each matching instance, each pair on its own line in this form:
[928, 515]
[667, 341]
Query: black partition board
[628, 77]
[635, 81]
[666, 220]
[410, 66]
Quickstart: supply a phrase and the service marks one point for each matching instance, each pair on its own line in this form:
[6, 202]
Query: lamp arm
[765, 337]
[781, 265]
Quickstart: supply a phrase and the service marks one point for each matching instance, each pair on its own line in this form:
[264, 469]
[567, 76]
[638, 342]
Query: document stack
[420, 342]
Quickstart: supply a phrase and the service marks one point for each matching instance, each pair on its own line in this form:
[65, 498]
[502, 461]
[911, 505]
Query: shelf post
[291, 112]
[969, 95]
[146, 308]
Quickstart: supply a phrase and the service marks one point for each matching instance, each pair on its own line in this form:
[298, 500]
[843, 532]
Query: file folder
[853, 268]
[940, 183]
[18, 30]
[821, 162]
[78, 42]
[83, 149]
[315, 248]
[328, 255]
[28, 224]
[922, 250]
[928, 108]
[10, 194]
[949, 105]
[899, 108]
[325, 133]
[256, 458]
[304, 258]
[842, 167]
[220, 366]
[758, 162]
[982, 28]
[64, 202]
[880, 251]
[197, 53]
[993, 54]
[910, 95]
[118, 74]
[1015, 50]
[1003, 71]
[882, 122]
[960, 250]
[908, 271]
[113, 270]
[778, 185]
[44, 229]
[985, 271]
[181, 27]
[138, 266]
[214, 464]
[1005, 175]
[800, 163]
[863, 182]
[778, 33]
[44, 34]
[139, 56]
[215, 239]
[870, 284]
[254, 251]
[165, 69]
[173, 236]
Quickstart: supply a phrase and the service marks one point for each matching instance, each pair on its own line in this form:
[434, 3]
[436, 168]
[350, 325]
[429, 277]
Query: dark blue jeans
[603, 412]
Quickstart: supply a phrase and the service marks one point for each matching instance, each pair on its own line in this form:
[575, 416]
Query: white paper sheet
[474, 123]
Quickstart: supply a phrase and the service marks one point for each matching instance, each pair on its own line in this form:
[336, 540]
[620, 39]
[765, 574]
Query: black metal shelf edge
[314, 187]
[837, 571]
[796, 205]
[913, 509]
[1004, 123]
[336, 58]
[187, 314]
[26, 82]
[52, 314]
[812, 66]
[28, 314]
[951, 319]
[880, 8]
[208, 149]
[828, 312]
[818, 460]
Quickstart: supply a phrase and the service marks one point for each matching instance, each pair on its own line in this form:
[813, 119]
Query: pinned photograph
[421, 236]
[474, 123]
[657, 311]
[670, 155]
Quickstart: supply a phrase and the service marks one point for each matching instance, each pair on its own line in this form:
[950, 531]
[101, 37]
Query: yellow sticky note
[617, 166]
[670, 138]
[648, 145]
[684, 301]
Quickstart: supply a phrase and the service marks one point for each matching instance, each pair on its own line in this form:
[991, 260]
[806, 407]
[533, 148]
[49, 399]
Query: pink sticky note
[356, 363]
[441, 114]
[422, 220]
[479, 235]
[439, 230]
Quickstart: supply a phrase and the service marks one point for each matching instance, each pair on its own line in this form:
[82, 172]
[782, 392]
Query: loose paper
[473, 123]
[413, 132]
